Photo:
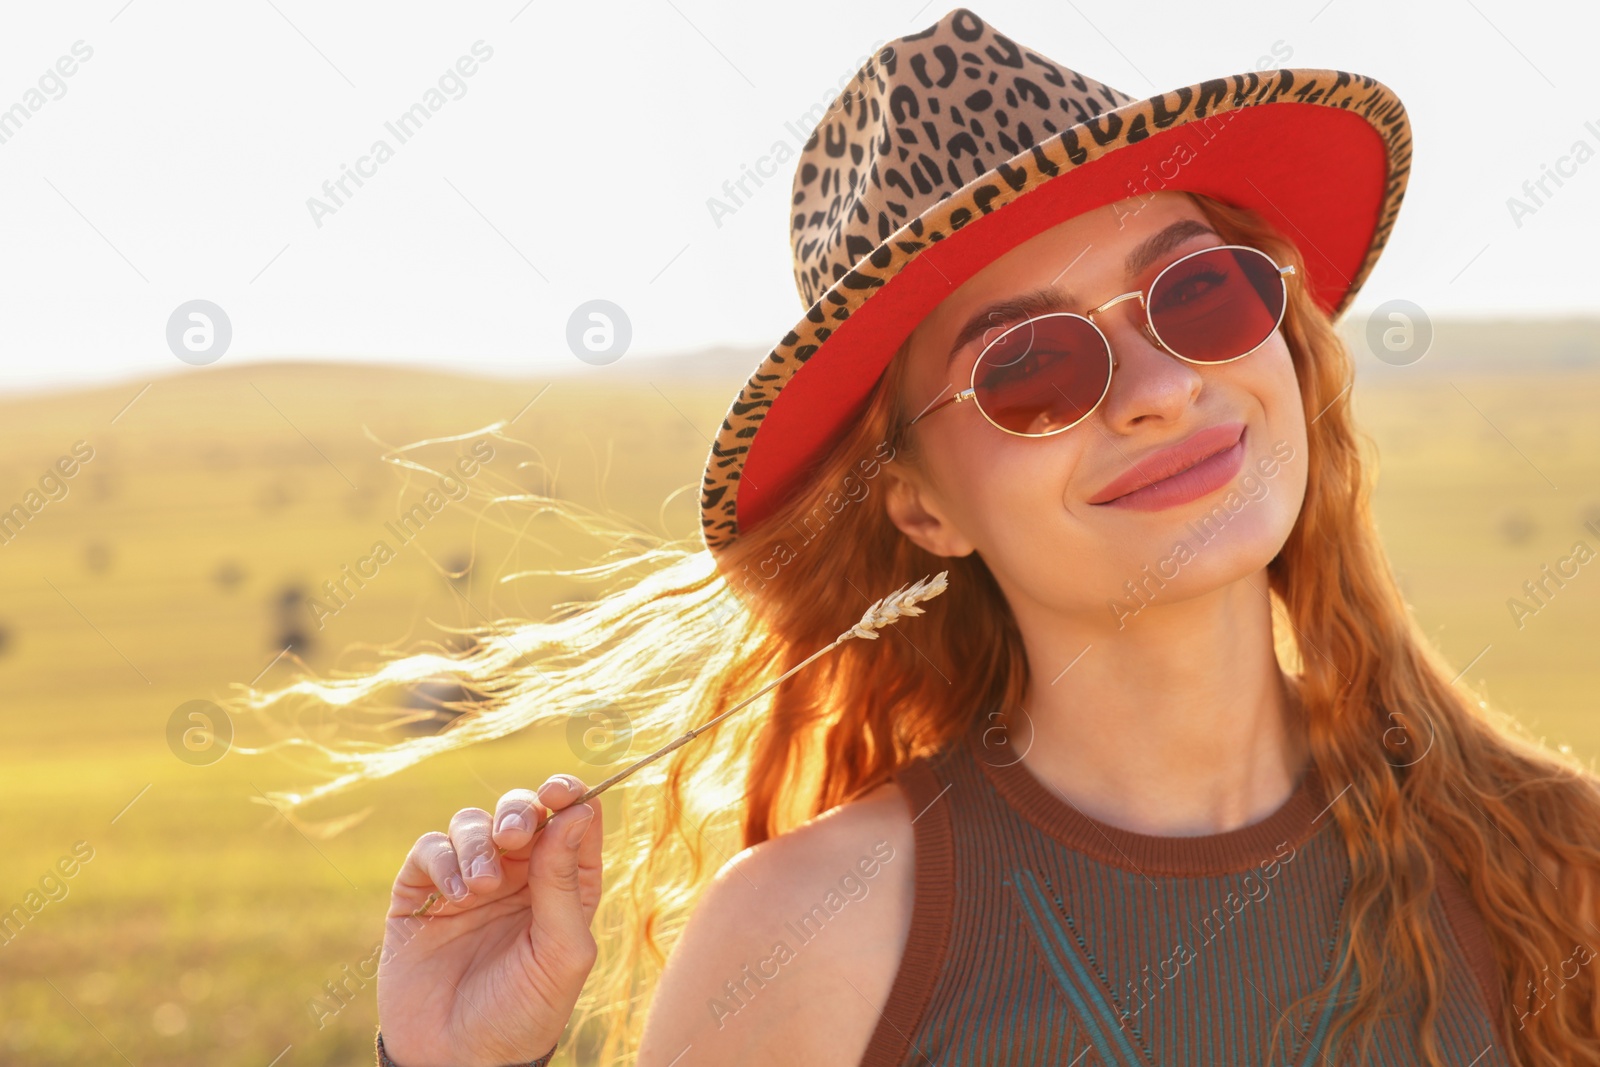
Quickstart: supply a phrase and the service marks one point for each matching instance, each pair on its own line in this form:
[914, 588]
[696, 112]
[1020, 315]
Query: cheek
[1280, 386]
[1286, 417]
[973, 468]
[1000, 489]
[1274, 474]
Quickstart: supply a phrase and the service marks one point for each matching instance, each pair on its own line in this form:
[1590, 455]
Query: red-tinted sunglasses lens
[1042, 375]
[1218, 304]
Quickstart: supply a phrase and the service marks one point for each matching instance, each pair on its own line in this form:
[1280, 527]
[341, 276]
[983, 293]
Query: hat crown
[927, 114]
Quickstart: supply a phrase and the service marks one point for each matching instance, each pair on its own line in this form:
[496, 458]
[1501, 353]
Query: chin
[1196, 552]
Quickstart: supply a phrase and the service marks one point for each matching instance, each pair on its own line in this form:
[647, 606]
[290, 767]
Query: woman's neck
[1178, 723]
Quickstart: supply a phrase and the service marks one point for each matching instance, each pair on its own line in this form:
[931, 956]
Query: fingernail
[480, 867]
[578, 826]
[514, 823]
[572, 783]
[454, 887]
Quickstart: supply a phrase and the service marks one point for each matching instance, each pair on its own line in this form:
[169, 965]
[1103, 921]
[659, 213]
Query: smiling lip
[1201, 464]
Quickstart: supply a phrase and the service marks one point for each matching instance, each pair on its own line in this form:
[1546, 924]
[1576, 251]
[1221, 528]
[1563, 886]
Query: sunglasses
[1046, 374]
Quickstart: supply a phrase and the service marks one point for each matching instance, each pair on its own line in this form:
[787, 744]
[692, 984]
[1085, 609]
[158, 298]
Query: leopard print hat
[952, 145]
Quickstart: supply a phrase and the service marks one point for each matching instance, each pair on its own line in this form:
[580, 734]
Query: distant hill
[1491, 346]
[1460, 346]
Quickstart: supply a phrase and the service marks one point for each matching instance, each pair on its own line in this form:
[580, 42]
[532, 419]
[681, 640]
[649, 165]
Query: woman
[1169, 775]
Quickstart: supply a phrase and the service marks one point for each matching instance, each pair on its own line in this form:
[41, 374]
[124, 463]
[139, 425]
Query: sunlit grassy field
[183, 556]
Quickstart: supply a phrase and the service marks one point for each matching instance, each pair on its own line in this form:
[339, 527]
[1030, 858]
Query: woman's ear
[913, 508]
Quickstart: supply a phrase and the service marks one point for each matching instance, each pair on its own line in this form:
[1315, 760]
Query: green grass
[205, 924]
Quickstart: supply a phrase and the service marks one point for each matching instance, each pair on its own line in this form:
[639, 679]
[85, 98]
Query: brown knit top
[1040, 935]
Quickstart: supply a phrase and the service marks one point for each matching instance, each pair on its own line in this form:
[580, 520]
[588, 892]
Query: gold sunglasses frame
[971, 392]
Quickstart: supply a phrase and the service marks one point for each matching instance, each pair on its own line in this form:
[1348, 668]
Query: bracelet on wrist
[542, 1061]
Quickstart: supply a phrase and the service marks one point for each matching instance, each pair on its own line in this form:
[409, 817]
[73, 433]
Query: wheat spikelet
[902, 601]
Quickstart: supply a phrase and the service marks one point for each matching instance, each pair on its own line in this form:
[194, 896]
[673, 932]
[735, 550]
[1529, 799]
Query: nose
[1147, 381]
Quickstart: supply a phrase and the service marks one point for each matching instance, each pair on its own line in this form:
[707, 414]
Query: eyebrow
[1158, 245]
[1043, 301]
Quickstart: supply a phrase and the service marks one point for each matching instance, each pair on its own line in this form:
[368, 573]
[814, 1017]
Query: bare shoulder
[807, 926]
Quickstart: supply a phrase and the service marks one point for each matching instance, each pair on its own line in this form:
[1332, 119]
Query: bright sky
[576, 162]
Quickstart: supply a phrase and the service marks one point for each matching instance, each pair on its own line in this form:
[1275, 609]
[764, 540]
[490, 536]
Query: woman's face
[1034, 507]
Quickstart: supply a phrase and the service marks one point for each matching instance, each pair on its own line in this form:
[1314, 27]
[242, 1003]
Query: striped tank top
[1040, 935]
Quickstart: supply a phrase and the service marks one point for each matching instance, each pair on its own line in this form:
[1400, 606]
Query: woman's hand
[489, 974]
